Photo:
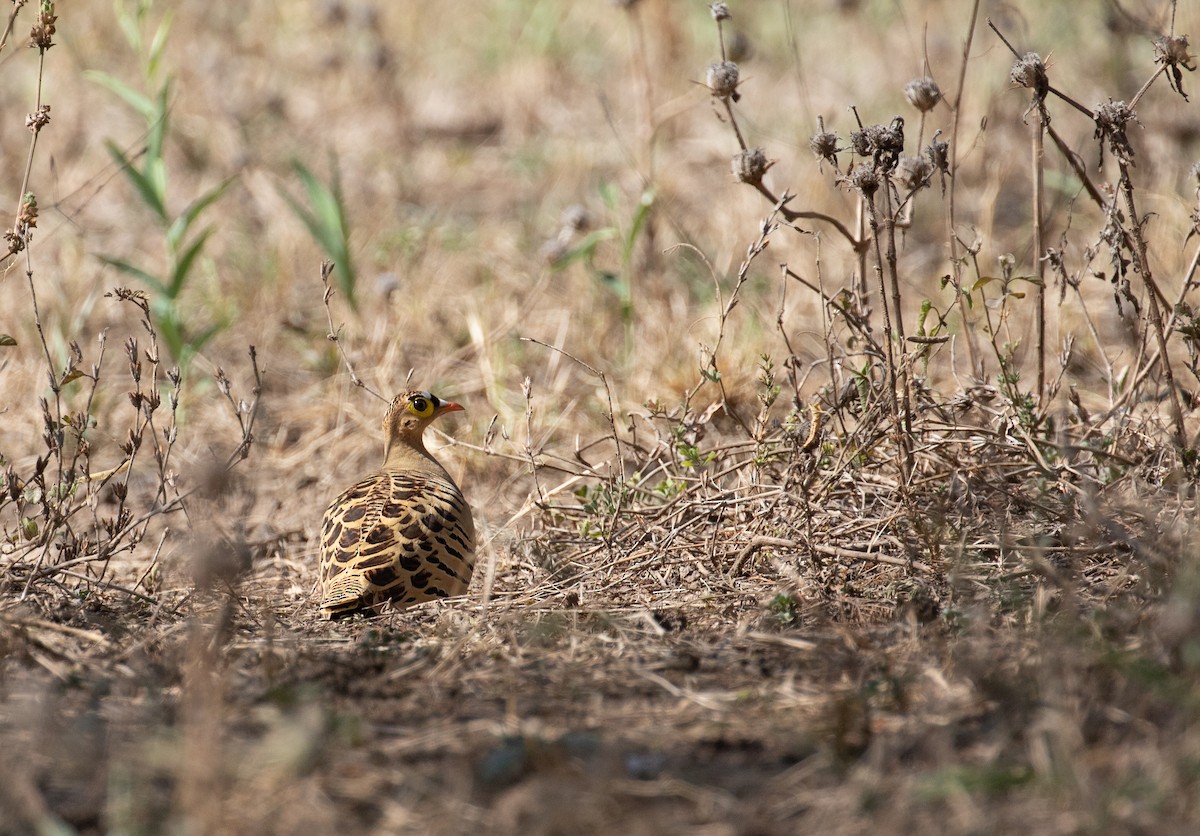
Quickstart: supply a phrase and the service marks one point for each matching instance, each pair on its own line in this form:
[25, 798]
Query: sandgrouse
[405, 534]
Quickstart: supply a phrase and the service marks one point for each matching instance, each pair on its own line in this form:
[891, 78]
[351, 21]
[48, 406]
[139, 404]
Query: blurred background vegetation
[484, 172]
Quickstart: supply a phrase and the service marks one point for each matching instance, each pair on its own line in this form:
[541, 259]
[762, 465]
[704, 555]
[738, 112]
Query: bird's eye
[420, 406]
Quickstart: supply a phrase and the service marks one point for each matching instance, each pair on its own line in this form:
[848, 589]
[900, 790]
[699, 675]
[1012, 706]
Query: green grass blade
[147, 187]
[125, 267]
[179, 228]
[139, 102]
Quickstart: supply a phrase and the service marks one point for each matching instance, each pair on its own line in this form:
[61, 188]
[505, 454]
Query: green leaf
[139, 102]
[586, 248]
[326, 223]
[179, 228]
[155, 173]
[198, 341]
[984, 281]
[6, 340]
[184, 265]
[645, 205]
[137, 272]
[608, 195]
[130, 26]
[158, 124]
[158, 44]
[70, 377]
[145, 186]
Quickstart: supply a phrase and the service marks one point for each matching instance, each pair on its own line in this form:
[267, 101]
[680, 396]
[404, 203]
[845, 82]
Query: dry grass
[751, 562]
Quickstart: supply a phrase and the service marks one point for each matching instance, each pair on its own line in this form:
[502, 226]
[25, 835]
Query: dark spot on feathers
[373, 561]
[380, 534]
[383, 577]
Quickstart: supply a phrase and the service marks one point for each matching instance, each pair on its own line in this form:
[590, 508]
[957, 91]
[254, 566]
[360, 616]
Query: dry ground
[695, 612]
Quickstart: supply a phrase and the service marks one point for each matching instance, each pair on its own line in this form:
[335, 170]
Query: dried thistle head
[824, 144]
[1030, 71]
[1172, 52]
[750, 165]
[914, 172]
[883, 143]
[889, 142]
[864, 179]
[722, 80]
[1111, 119]
[860, 142]
[719, 11]
[923, 94]
[938, 154]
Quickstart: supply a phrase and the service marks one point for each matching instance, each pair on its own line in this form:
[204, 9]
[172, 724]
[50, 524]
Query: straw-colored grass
[749, 562]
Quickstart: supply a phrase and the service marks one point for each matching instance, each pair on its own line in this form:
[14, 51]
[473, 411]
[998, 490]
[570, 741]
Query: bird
[403, 534]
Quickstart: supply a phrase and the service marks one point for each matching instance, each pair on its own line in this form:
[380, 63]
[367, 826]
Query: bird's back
[404, 536]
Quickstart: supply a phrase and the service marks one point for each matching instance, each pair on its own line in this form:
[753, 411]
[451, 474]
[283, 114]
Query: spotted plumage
[404, 534]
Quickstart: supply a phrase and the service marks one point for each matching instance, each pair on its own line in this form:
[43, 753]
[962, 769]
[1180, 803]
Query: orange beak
[449, 406]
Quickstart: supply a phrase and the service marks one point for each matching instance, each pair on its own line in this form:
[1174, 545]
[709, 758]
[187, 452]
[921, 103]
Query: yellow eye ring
[421, 405]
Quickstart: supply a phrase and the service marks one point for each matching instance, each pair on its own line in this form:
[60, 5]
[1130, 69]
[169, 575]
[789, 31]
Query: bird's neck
[405, 454]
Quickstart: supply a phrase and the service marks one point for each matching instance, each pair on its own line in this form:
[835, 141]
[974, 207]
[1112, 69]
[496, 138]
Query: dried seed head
[1173, 49]
[938, 153]
[860, 141]
[923, 94]
[36, 121]
[864, 179]
[42, 33]
[722, 79]
[750, 165]
[889, 139]
[1172, 52]
[1030, 72]
[1111, 119]
[27, 216]
[825, 145]
[883, 143]
[720, 11]
[15, 242]
[914, 172]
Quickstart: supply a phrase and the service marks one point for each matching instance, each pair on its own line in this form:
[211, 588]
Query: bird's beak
[449, 406]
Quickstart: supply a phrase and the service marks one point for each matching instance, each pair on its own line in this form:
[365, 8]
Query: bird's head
[408, 416]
